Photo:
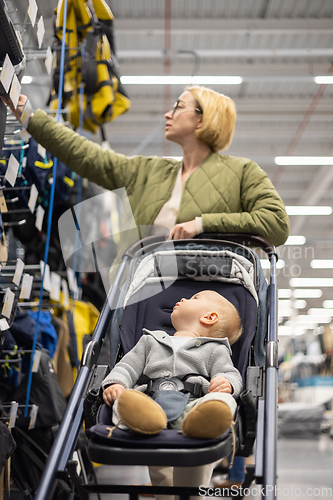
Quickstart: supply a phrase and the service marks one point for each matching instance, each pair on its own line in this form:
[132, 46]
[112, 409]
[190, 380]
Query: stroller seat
[147, 309]
[152, 277]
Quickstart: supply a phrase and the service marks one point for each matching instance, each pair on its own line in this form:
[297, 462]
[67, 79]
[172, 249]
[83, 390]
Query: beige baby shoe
[140, 413]
[207, 420]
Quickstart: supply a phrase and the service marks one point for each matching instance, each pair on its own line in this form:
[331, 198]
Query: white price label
[7, 73]
[39, 217]
[41, 151]
[8, 303]
[12, 170]
[49, 61]
[55, 287]
[33, 198]
[40, 31]
[32, 11]
[26, 286]
[47, 276]
[26, 113]
[15, 90]
[18, 272]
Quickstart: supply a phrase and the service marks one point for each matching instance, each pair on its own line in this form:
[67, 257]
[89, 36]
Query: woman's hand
[111, 393]
[220, 384]
[17, 112]
[183, 231]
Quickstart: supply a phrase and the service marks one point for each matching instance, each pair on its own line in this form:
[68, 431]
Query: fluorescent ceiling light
[322, 264]
[295, 240]
[304, 160]
[309, 210]
[291, 330]
[285, 303]
[284, 293]
[300, 304]
[324, 80]
[328, 304]
[320, 311]
[307, 293]
[286, 312]
[313, 318]
[266, 265]
[180, 80]
[26, 80]
[316, 282]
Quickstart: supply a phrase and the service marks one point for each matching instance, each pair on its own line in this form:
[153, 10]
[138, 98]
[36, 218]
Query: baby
[198, 353]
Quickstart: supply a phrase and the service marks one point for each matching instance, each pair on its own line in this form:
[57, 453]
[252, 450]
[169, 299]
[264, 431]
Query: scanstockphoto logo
[260, 491]
[290, 260]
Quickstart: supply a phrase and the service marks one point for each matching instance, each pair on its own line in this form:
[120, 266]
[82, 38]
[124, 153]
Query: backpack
[90, 59]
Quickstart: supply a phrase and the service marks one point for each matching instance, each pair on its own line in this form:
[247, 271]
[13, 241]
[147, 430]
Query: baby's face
[188, 310]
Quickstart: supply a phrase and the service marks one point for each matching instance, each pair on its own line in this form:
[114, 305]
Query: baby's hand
[220, 384]
[111, 393]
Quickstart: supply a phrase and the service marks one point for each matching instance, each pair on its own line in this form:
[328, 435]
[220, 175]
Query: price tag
[64, 288]
[7, 73]
[49, 61]
[35, 365]
[3, 325]
[26, 286]
[32, 11]
[55, 287]
[33, 198]
[8, 303]
[15, 90]
[47, 276]
[3, 204]
[26, 113]
[25, 136]
[40, 31]
[18, 272]
[12, 170]
[41, 151]
[39, 217]
[33, 416]
[13, 414]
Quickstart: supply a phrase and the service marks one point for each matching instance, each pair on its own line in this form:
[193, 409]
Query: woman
[205, 192]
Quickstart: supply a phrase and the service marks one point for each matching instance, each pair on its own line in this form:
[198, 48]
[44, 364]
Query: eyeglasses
[177, 106]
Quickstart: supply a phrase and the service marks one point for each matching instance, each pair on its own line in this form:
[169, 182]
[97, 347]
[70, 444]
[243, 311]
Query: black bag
[45, 392]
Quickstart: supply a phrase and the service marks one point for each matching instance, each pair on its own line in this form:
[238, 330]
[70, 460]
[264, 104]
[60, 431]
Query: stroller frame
[262, 382]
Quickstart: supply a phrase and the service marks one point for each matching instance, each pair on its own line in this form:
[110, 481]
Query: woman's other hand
[111, 393]
[183, 231]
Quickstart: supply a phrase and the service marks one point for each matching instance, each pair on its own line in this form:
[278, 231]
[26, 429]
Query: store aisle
[305, 470]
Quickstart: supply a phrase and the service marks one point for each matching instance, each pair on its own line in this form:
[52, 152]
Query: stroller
[154, 274]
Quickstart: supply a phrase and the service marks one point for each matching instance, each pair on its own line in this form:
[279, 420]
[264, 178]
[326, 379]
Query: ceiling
[277, 47]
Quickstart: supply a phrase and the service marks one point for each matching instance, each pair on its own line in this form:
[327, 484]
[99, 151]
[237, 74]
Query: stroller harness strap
[179, 384]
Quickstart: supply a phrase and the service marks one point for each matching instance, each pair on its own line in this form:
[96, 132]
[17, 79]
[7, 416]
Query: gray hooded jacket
[155, 357]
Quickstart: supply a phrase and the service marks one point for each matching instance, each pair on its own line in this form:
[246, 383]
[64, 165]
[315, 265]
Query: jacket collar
[164, 338]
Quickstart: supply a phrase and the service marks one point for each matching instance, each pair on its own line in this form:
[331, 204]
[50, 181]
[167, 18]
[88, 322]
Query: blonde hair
[228, 325]
[218, 117]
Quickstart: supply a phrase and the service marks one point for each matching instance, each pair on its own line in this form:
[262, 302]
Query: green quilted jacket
[231, 194]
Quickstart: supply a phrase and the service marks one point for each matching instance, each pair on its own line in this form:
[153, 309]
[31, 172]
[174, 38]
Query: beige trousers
[189, 476]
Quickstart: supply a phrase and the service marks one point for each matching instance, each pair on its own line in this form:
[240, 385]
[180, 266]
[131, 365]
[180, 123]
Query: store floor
[305, 470]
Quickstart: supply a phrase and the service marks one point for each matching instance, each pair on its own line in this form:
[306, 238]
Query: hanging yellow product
[90, 61]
